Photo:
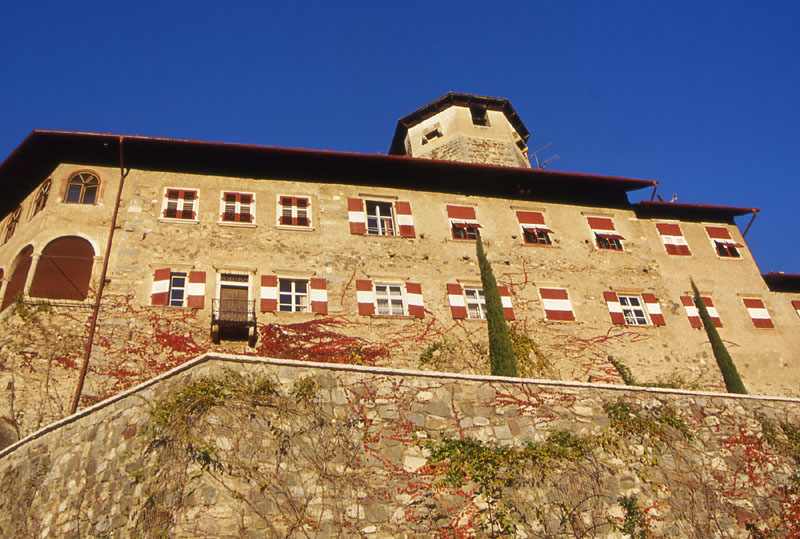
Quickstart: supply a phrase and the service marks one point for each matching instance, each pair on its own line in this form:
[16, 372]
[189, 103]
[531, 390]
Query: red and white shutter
[462, 217]
[365, 296]
[796, 305]
[758, 313]
[455, 295]
[722, 235]
[556, 304]
[712, 311]
[614, 307]
[405, 222]
[673, 239]
[604, 227]
[319, 295]
[414, 294]
[691, 311]
[160, 291]
[357, 216]
[269, 293]
[196, 290]
[532, 220]
[505, 298]
[653, 309]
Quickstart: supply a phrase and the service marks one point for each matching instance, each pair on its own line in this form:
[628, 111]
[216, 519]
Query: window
[294, 211]
[82, 188]
[177, 289]
[479, 116]
[634, 309]
[673, 239]
[463, 223]
[180, 204]
[379, 218]
[41, 198]
[606, 236]
[725, 246]
[11, 224]
[389, 300]
[293, 295]
[237, 207]
[468, 301]
[758, 313]
[693, 313]
[534, 230]
[556, 304]
[475, 301]
[432, 134]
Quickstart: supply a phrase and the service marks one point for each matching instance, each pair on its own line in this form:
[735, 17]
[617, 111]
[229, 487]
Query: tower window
[479, 116]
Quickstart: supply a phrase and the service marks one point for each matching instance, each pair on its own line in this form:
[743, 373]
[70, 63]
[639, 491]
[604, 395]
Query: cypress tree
[501, 349]
[733, 383]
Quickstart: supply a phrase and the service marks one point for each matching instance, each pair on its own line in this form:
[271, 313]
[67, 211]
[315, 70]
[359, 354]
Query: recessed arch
[64, 270]
[16, 282]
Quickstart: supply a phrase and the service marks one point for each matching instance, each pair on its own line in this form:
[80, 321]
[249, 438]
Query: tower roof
[448, 100]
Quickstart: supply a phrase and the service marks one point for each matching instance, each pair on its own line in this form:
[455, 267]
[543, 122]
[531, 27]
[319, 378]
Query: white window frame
[629, 311]
[385, 225]
[294, 212]
[381, 292]
[184, 289]
[237, 209]
[180, 206]
[473, 295]
[293, 294]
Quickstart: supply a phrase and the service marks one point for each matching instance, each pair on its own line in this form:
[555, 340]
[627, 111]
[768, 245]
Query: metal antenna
[542, 164]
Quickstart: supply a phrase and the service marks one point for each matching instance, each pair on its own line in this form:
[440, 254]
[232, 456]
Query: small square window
[294, 211]
[633, 310]
[390, 300]
[237, 207]
[724, 244]
[606, 236]
[479, 116]
[180, 204]
[293, 295]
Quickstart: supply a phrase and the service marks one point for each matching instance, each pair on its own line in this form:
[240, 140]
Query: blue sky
[702, 96]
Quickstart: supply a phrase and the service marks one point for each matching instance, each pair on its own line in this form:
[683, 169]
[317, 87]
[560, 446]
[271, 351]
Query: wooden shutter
[758, 313]
[357, 216]
[614, 308]
[455, 295]
[691, 311]
[319, 295]
[160, 291]
[653, 309]
[796, 305]
[505, 298]
[556, 304]
[196, 290]
[604, 226]
[672, 237]
[414, 295]
[365, 297]
[269, 293]
[405, 222]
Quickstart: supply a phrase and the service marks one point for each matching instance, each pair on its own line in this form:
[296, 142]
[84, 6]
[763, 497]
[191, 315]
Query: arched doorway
[19, 275]
[64, 270]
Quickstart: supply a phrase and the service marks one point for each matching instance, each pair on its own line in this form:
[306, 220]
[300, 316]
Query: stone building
[157, 250]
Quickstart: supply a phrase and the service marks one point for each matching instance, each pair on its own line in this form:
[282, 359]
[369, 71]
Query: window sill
[392, 317]
[385, 236]
[234, 224]
[179, 221]
[541, 245]
[298, 228]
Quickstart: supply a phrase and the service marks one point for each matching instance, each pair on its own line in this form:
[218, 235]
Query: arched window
[64, 269]
[41, 197]
[11, 225]
[18, 277]
[82, 188]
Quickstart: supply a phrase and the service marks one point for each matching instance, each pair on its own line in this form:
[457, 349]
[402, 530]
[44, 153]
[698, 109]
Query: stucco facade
[376, 228]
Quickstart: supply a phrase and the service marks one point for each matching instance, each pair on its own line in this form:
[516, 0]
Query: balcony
[233, 319]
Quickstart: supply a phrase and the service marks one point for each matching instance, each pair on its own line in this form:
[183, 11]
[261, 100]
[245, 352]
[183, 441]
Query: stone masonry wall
[245, 447]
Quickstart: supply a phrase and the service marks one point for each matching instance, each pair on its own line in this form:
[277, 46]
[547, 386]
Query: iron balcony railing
[234, 311]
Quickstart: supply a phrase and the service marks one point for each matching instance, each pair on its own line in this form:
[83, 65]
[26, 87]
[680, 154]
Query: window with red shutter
[606, 236]
[724, 244]
[673, 240]
[463, 222]
[294, 211]
[534, 230]
[237, 208]
[180, 204]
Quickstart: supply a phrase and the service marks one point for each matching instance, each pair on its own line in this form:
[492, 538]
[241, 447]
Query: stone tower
[464, 127]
